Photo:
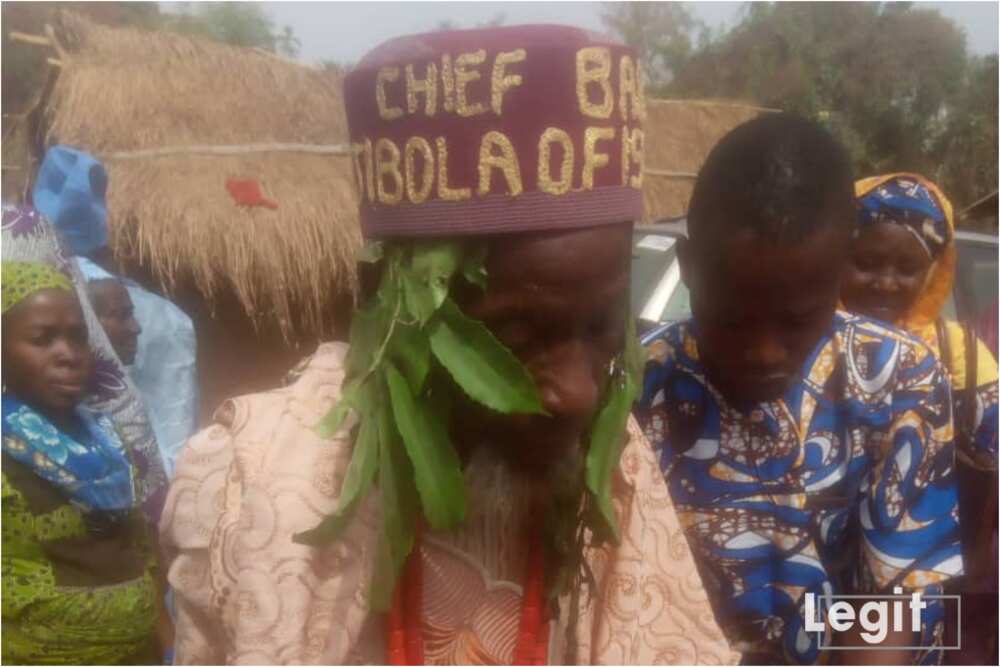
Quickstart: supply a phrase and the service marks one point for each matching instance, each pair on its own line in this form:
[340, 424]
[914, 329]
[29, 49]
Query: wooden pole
[37, 40]
[319, 149]
[668, 174]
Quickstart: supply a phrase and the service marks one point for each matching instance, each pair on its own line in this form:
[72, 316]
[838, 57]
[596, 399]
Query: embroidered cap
[496, 130]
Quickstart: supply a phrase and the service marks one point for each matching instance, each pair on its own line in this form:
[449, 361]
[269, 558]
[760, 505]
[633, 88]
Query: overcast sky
[345, 31]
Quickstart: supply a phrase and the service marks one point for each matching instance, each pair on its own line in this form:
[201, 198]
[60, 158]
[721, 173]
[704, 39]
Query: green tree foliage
[661, 33]
[892, 80]
[238, 23]
[966, 148]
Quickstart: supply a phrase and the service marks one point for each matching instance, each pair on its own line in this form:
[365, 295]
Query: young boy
[807, 451]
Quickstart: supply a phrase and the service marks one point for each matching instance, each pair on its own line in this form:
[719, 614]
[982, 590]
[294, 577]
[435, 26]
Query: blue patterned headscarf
[92, 469]
[907, 201]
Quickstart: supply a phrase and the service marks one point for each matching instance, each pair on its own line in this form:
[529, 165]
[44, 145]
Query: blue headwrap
[70, 192]
[906, 201]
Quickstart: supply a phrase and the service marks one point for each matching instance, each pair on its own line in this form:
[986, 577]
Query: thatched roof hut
[679, 135]
[174, 118]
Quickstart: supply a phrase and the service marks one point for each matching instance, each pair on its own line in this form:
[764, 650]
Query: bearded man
[463, 483]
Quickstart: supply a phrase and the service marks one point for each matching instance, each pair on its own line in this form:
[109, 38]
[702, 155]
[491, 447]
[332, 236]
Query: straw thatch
[126, 91]
[16, 158]
[679, 135]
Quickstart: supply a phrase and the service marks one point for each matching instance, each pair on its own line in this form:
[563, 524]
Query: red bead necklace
[405, 626]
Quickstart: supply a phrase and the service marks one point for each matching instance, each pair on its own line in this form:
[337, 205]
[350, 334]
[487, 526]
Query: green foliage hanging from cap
[406, 343]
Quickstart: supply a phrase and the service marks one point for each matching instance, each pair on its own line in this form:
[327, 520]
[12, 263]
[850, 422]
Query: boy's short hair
[775, 175]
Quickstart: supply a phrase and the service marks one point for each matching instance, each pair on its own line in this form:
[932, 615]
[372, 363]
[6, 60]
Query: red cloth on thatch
[248, 193]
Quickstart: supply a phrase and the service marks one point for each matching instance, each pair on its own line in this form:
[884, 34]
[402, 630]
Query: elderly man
[487, 499]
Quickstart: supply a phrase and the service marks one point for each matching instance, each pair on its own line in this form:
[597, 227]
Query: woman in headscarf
[78, 569]
[29, 237]
[901, 271]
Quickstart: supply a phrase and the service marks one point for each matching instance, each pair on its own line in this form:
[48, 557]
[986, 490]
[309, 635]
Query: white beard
[499, 504]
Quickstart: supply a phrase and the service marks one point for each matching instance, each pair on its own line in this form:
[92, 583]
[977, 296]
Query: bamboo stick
[38, 40]
[668, 174]
[50, 32]
[321, 149]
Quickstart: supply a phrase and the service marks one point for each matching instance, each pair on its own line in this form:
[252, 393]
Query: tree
[287, 43]
[447, 24]
[966, 150]
[889, 79]
[238, 23]
[334, 66]
[660, 32]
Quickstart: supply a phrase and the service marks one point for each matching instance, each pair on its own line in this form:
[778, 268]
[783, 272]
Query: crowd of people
[492, 471]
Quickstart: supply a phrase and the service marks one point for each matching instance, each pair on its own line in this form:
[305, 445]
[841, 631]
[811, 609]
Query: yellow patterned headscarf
[22, 279]
[941, 276]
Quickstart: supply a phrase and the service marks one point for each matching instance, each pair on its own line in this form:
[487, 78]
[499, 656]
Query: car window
[652, 255]
[976, 276]
[679, 306]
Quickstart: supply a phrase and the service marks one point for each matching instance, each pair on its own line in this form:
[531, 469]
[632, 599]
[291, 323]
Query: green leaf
[331, 423]
[418, 299]
[366, 329]
[435, 464]
[474, 266]
[412, 353]
[604, 453]
[486, 370]
[400, 504]
[426, 281]
[357, 480]
[371, 252]
[371, 326]
[635, 356]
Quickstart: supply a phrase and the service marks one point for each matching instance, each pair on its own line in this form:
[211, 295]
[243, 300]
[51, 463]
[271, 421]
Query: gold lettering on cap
[387, 164]
[637, 149]
[640, 91]
[386, 75]
[593, 66]
[359, 179]
[426, 86]
[506, 162]
[415, 145]
[444, 192]
[368, 166]
[626, 89]
[448, 83]
[564, 182]
[501, 81]
[632, 154]
[463, 77]
[591, 158]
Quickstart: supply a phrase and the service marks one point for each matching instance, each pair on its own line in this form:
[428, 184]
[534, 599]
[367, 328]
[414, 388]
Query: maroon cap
[496, 130]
